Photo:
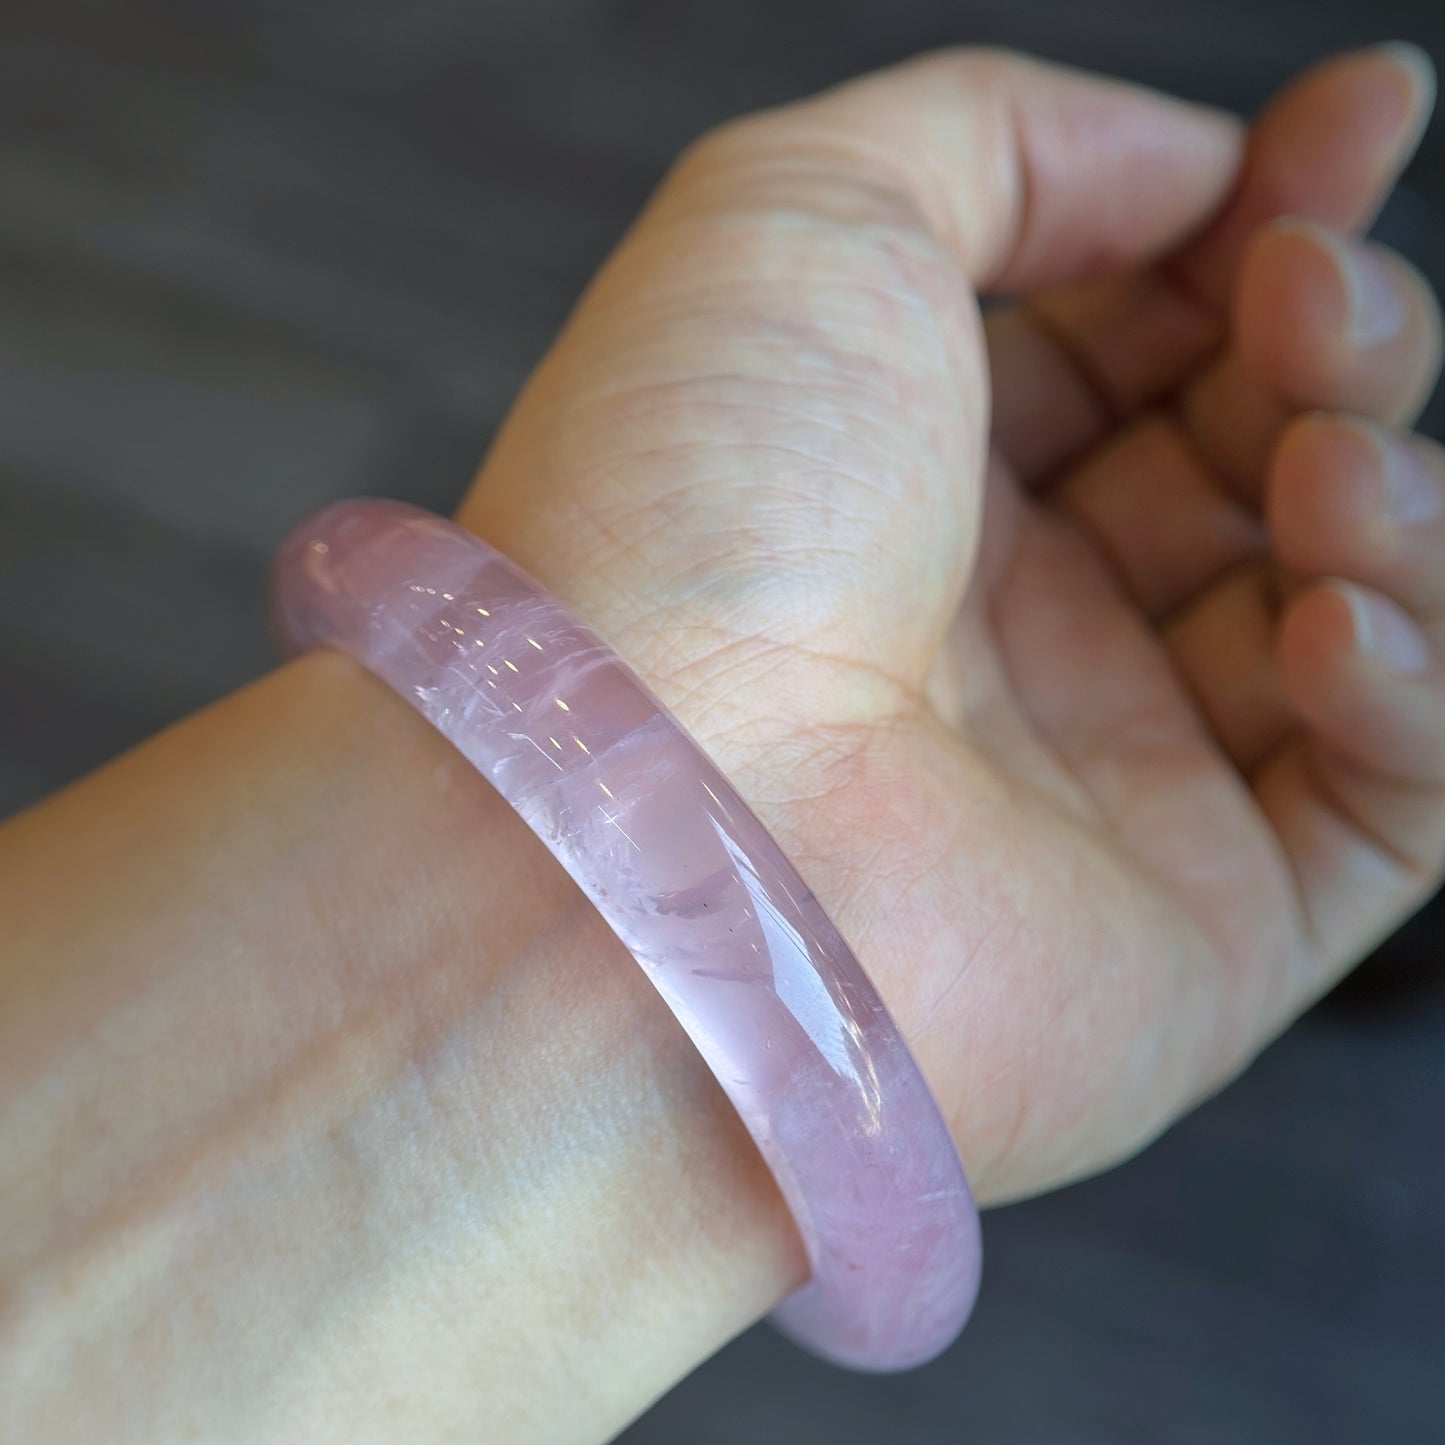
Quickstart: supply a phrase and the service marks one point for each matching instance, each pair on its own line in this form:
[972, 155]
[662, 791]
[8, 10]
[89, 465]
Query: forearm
[331, 1110]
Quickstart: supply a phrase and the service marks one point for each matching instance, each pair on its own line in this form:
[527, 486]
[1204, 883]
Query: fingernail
[1416, 63]
[1379, 307]
[1414, 494]
[1416, 60]
[1387, 635]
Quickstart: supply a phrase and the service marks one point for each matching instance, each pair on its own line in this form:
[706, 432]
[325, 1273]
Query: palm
[1157, 873]
[1035, 753]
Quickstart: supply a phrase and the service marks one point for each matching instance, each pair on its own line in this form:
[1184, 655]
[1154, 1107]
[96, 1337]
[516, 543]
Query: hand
[1106, 720]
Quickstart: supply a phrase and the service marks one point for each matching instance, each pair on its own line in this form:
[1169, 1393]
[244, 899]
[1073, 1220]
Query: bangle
[694, 885]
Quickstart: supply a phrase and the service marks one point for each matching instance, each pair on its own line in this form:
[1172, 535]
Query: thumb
[765, 424]
[1034, 174]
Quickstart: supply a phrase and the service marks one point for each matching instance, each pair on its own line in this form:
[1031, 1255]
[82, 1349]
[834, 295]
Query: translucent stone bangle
[697, 889]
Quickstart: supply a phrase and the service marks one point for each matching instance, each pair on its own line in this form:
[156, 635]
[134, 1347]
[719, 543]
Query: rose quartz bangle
[697, 889]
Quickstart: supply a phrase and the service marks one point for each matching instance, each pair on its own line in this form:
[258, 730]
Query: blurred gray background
[255, 256]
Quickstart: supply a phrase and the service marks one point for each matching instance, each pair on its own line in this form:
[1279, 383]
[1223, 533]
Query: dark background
[256, 255]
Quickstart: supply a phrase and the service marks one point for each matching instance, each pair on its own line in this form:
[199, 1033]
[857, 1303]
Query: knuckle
[721, 147]
[841, 155]
[977, 64]
[786, 162]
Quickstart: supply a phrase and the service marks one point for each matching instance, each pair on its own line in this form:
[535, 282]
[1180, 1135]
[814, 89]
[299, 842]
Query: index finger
[1327, 150]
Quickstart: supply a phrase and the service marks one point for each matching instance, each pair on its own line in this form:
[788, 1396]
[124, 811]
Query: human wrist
[429, 1102]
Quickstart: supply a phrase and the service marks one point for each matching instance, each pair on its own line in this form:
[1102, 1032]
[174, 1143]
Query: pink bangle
[697, 889]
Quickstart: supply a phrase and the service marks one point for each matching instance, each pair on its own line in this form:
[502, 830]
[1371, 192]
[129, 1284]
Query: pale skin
[1086, 659]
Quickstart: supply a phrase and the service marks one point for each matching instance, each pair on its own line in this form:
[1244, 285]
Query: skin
[1086, 658]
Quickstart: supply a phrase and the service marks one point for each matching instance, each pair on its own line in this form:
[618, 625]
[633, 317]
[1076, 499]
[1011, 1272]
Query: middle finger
[1322, 321]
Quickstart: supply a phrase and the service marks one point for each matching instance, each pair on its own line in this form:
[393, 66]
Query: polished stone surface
[695, 886]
